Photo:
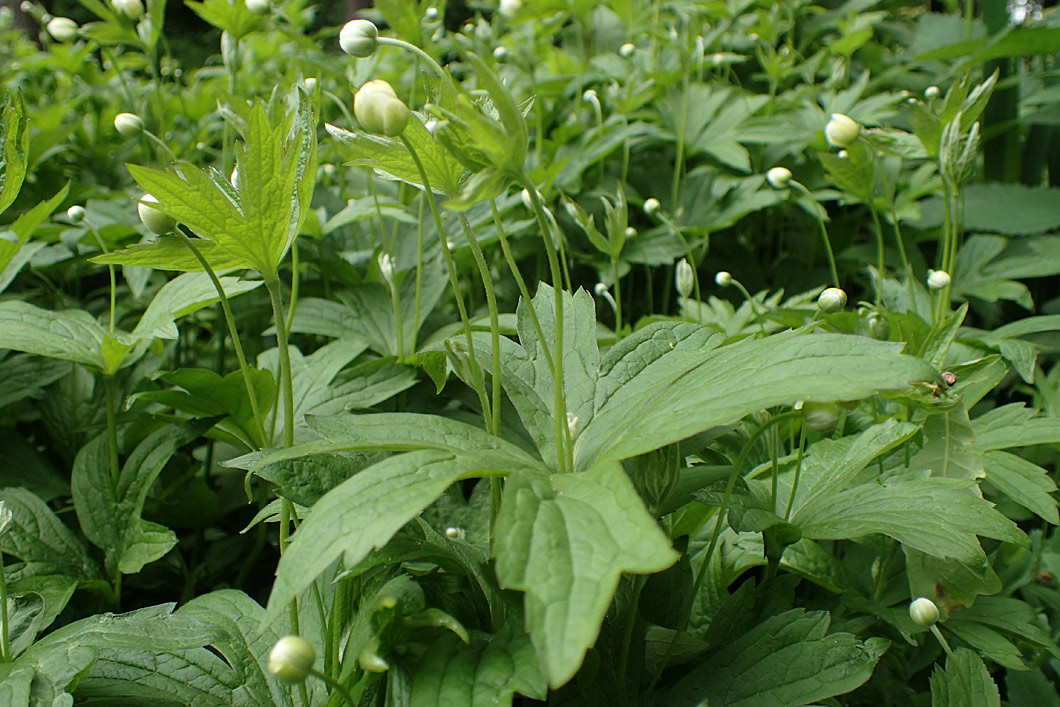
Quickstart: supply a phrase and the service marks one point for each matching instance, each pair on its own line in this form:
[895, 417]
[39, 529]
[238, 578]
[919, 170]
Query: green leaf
[1013, 425]
[1024, 482]
[37, 536]
[949, 450]
[15, 156]
[964, 683]
[565, 539]
[171, 253]
[231, 17]
[938, 344]
[650, 394]
[26, 376]
[789, 659]
[109, 511]
[364, 512]
[482, 674]
[70, 335]
[1026, 210]
[15, 255]
[855, 172]
[24, 620]
[936, 516]
[1031, 688]
[197, 675]
[181, 296]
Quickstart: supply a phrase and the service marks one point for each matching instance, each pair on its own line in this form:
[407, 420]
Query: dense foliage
[628, 353]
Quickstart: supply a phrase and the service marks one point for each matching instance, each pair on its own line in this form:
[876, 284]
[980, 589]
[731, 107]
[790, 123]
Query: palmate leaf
[565, 539]
[250, 224]
[789, 659]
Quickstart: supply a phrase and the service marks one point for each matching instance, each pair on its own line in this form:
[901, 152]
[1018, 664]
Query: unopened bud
[62, 29]
[627, 50]
[778, 177]
[932, 92]
[156, 221]
[76, 213]
[832, 300]
[923, 611]
[359, 38]
[258, 7]
[842, 130]
[379, 110]
[133, 9]
[651, 206]
[938, 279]
[510, 8]
[723, 279]
[128, 124]
[291, 659]
[684, 278]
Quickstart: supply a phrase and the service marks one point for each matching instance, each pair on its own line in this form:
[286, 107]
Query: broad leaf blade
[70, 335]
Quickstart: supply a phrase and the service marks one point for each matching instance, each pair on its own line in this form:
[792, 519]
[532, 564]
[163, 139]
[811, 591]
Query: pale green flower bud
[76, 213]
[923, 611]
[778, 177]
[510, 8]
[128, 124]
[651, 206]
[820, 417]
[842, 130]
[310, 85]
[133, 9]
[291, 659]
[832, 300]
[156, 221]
[723, 279]
[938, 279]
[431, 14]
[932, 92]
[359, 38]
[62, 29]
[684, 279]
[500, 53]
[627, 50]
[259, 7]
[379, 110]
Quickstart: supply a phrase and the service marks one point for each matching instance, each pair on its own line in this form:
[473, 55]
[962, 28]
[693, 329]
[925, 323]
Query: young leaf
[565, 539]
[789, 659]
[964, 683]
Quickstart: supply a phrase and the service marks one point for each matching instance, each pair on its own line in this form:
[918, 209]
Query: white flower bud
[128, 124]
[431, 14]
[76, 213]
[842, 130]
[723, 279]
[291, 659]
[133, 9]
[62, 29]
[156, 221]
[310, 85]
[778, 177]
[259, 7]
[684, 279]
[590, 96]
[379, 110]
[630, 231]
[574, 425]
[358, 38]
[842, 154]
[510, 8]
[454, 533]
[923, 611]
[820, 417]
[932, 92]
[386, 267]
[600, 289]
[651, 206]
[832, 300]
[627, 50]
[500, 53]
[938, 279]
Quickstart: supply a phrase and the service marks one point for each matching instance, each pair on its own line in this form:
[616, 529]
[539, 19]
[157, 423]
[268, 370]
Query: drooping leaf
[789, 659]
[565, 539]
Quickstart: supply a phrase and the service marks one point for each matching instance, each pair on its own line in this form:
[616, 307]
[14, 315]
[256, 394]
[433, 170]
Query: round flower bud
[832, 300]
[723, 279]
[841, 130]
[258, 7]
[842, 154]
[879, 327]
[510, 8]
[627, 50]
[291, 659]
[600, 289]
[923, 611]
[938, 279]
[684, 280]
[820, 417]
[156, 221]
[62, 29]
[630, 231]
[455, 533]
[76, 213]
[431, 14]
[379, 110]
[932, 92]
[310, 85]
[133, 9]
[358, 38]
[128, 124]
[651, 206]
[779, 177]
[574, 425]
[500, 53]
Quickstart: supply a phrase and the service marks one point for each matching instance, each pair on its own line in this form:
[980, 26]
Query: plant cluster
[630, 353]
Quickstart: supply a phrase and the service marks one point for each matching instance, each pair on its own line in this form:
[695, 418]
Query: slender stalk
[798, 473]
[272, 284]
[294, 285]
[111, 392]
[435, 66]
[618, 298]
[428, 194]
[818, 212]
[334, 685]
[945, 646]
[491, 303]
[236, 342]
[564, 453]
[110, 270]
[5, 638]
[627, 637]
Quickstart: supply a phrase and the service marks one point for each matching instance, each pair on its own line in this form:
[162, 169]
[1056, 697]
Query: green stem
[495, 327]
[435, 66]
[618, 298]
[428, 194]
[627, 637]
[233, 332]
[945, 646]
[110, 269]
[110, 389]
[334, 685]
[295, 279]
[817, 211]
[564, 453]
[5, 639]
[272, 284]
[798, 473]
